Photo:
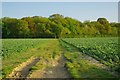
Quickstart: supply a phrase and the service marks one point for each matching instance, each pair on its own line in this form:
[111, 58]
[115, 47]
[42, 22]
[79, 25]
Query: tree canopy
[56, 26]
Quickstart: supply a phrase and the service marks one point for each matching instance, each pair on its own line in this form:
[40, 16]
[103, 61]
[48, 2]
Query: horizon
[81, 11]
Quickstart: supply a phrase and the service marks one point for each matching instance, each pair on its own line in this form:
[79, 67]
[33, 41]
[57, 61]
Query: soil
[23, 69]
[56, 71]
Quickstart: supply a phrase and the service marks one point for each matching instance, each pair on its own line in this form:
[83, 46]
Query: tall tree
[106, 25]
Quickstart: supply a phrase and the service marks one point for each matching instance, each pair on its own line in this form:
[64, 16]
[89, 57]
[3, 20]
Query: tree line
[56, 26]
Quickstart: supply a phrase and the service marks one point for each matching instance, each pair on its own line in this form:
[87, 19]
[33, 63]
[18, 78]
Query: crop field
[75, 57]
[14, 46]
[103, 49]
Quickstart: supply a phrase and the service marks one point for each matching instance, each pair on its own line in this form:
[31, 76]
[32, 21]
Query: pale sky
[79, 10]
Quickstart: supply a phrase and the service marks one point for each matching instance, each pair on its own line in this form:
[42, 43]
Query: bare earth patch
[57, 70]
[23, 69]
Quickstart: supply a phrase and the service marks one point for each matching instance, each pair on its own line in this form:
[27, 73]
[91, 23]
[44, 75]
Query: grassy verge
[80, 68]
[48, 58]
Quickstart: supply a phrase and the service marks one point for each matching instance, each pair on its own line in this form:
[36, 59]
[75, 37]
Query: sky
[60, 0]
[78, 10]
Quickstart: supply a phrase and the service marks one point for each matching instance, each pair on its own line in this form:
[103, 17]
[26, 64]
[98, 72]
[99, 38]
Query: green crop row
[103, 49]
[12, 46]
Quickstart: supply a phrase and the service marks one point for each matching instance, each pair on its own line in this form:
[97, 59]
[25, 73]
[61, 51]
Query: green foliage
[56, 26]
[13, 46]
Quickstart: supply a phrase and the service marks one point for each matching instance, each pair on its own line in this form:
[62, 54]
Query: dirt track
[23, 69]
[56, 71]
